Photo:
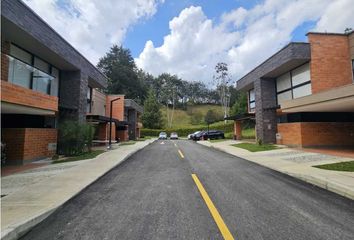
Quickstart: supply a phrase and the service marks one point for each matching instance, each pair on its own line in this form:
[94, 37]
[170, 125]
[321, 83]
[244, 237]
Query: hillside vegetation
[189, 118]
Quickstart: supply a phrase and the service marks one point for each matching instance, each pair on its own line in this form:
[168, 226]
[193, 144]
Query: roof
[240, 117]
[100, 118]
[290, 56]
[131, 104]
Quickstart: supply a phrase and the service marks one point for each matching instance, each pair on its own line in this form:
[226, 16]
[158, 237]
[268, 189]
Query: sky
[189, 37]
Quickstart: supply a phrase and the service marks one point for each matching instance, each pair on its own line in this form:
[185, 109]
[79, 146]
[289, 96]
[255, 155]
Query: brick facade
[330, 64]
[12, 93]
[117, 107]
[103, 131]
[27, 144]
[317, 134]
[237, 130]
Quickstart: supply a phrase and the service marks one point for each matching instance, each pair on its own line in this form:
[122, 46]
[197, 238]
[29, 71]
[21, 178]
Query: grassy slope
[181, 118]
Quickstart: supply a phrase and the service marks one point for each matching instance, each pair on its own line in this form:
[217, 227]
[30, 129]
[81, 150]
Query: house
[303, 95]
[125, 117]
[44, 81]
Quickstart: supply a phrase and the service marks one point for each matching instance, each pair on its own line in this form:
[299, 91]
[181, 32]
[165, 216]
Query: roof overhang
[131, 104]
[339, 99]
[23, 27]
[11, 108]
[240, 117]
[291, 56]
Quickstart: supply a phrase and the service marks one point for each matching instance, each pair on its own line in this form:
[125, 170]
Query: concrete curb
[319, 182]
[24, 227]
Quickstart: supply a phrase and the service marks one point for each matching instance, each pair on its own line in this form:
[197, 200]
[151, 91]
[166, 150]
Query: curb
[319, 182]
[26, 226]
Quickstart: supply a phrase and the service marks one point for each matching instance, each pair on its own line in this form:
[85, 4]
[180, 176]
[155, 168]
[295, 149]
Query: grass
[182, 118]
[84, 156]
[252, 147]
[248, 133]
[218, 140]
[341, 166]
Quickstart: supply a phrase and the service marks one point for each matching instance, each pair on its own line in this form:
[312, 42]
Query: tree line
[168, 90]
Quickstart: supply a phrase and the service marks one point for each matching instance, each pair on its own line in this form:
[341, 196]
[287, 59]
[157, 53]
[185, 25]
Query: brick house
[126, 113]
[303, 95]
[44, 81]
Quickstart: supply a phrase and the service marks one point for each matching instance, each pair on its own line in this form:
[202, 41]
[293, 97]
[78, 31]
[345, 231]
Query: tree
[222, 85]
[119, 66]
[240, 105]
[211, 117]
[152, 116]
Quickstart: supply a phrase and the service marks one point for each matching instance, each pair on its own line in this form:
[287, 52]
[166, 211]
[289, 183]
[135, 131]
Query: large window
[251, 100]
[294, 84]
[31, 72]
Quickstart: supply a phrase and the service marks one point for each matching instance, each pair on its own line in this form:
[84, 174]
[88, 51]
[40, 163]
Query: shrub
[75, 138]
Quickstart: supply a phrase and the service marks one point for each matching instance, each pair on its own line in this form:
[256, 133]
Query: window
[32, 72]
[89, 100]
[251, 100]
[294, 84]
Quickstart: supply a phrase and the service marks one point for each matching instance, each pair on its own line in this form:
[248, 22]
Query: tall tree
[119, 66]
[223, 81]
[152, 116]
[240, 105]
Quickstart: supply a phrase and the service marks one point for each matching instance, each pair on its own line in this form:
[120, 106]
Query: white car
[174, 135]
[163, 135]
[190, 136]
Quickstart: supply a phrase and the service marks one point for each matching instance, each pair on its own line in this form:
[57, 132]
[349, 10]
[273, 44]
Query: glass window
[89, 99]
[251, 100]
[301, 74]
[302, 91]
[41, 65]
[252, 95]
[55, 82]
[20, 54]
[284, 96]
[41, 81]
[19, 73]
[283, 82]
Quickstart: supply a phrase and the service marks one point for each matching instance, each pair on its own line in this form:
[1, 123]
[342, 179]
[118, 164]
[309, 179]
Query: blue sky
[188, 37]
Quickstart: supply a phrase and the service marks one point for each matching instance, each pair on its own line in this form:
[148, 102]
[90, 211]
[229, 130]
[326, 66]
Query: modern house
[125, 117]
[303, 95]
[44, 81]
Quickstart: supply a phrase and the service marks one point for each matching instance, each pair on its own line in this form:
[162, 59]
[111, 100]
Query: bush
[197, 118]
[75, 138]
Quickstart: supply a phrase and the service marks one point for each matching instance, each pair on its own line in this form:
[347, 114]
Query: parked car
[198, 136]
[190, 136]
[211, 134]
[215, 134]
[174, 135]
[162, 135]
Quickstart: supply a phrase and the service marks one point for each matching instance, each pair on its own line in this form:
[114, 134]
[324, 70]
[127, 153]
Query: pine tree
[152, 116]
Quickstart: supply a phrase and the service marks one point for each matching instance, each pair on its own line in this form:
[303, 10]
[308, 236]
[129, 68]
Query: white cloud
[243, 39]
[93, 26]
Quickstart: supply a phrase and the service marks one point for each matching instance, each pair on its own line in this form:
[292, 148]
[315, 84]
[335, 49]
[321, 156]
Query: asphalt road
[152, 195]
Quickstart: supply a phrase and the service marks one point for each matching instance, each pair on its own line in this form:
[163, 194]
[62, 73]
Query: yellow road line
[214, 212]
[180, 153]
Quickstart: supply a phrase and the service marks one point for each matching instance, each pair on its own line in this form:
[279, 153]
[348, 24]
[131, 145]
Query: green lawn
[84, 156]
[341, 166]
[253, 147]
[249, 133]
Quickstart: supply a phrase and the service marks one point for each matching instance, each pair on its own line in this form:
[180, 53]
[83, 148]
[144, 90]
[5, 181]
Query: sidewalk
[298, 164]
[33, 195]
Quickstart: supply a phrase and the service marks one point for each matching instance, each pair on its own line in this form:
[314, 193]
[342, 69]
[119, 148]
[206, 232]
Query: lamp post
[110, 123]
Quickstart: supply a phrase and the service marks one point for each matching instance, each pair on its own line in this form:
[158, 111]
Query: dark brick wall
[266, 118]
[293, 51]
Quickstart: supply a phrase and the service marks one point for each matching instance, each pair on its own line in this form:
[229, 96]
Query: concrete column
[266, 118]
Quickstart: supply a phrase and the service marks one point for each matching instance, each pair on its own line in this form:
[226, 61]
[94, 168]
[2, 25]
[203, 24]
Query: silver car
[163, 135]
[174, 135]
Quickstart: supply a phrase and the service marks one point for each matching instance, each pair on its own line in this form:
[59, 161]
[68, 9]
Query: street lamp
[110, 124]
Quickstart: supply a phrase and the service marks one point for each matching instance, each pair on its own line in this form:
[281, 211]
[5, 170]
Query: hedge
[229, 127]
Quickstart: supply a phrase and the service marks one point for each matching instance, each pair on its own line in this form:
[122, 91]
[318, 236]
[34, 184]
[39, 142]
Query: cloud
[244, 37]
[93, 26]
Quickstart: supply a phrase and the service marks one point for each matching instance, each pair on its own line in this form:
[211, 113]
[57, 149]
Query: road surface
[153, 195]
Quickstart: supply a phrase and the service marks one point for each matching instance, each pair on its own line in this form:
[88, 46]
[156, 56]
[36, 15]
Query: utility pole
[110, 123]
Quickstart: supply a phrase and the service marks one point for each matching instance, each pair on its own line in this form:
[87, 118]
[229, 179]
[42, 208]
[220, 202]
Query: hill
[193, 116]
